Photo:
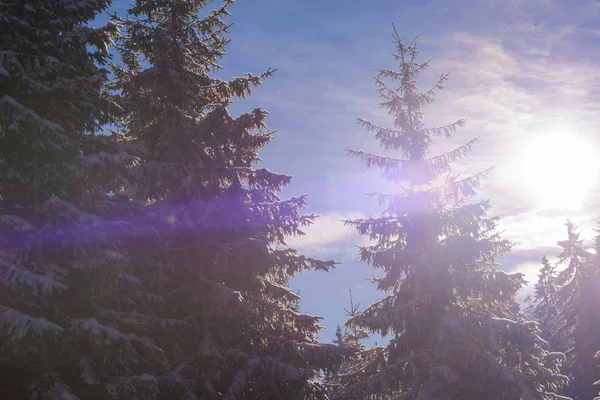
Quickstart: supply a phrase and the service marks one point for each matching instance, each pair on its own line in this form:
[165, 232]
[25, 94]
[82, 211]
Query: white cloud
[536, 230]
[509, 89]
[529, 271]
[509, 92]
[330, 237]
[519, 68]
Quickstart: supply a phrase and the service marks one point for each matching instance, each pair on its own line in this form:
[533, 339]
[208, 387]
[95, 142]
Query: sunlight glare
[559, 170]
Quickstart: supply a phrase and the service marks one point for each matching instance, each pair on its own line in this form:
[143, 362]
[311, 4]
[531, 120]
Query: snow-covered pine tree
[449, 310]
[575, 328]
[543, 303]
[351, 338]
[50, 94]
[75, 310]
[221, 220]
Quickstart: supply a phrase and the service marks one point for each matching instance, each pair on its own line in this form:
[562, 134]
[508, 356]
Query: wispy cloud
[330, 237]
[538, 230]
[520, 69]
[510, 89]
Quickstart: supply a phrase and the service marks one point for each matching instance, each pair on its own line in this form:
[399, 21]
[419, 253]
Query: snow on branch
[116, 348]
[143, 386]
[270, 372]
[16, 326]
[17, 278]
[25, 112]
[15, 224]
[446, 130]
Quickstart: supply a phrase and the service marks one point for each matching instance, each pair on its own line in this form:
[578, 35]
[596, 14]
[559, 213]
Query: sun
[559, 170]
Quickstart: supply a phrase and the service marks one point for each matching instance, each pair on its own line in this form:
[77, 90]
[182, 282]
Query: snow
[55, 205]
[222, 294]
[6, 99]
[16, 278]
[110, 256]
[282, 290]
[236, 387]
[143, 386]
[96, 328]
[178, 383]
[59, 392]
[88, 374]
[15, 325]
[15, 223]
[306, 319]
[112, 335]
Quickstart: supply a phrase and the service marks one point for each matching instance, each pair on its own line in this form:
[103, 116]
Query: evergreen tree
[577, 324]
[51, 78]
[70, 280]
[146, 264]
[221, 221]
[449, 310]
[543, 303]
[351, 338]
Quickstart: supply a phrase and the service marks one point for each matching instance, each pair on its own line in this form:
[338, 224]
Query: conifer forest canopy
[158, 241]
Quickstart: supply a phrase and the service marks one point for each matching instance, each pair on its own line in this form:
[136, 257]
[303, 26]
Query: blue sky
[523, 73]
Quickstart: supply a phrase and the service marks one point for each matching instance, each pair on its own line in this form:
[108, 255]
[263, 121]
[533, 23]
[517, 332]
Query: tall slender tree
[221, 220]
[449, 310]
[577, 324]
[352, 338]
[543, 304]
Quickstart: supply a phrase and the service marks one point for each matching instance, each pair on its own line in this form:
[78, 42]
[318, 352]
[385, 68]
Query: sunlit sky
[523, 72]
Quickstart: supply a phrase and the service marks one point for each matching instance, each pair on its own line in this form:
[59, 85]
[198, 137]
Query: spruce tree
[221, 221]
[543, 303]
[350, 338]
[449, 311]
[51, 76]
[577, 324]
[67, 285]
[117, 284]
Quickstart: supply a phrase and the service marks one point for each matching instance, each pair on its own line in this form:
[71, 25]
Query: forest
[146, 249]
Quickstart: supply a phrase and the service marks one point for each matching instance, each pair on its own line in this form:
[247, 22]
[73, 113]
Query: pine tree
[353, 336]
[221, 221]
[449, 310]
[543, 303]
[50, 94]
[70, 282]
[576, 326]
[350, 338]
